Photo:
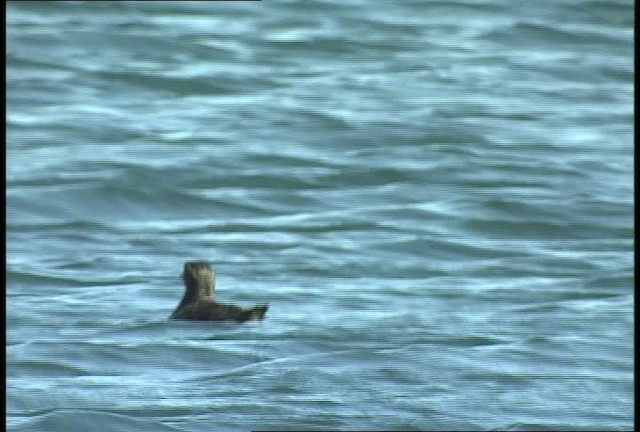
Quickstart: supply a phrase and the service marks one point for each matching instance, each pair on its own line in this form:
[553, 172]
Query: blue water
[435, 198]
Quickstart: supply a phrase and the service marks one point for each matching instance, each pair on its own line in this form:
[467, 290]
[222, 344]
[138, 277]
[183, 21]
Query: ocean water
[434, 197]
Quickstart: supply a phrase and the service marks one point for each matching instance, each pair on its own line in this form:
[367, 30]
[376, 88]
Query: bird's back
[209, 310]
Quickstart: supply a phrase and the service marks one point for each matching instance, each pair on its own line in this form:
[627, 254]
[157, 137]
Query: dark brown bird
[198, 303]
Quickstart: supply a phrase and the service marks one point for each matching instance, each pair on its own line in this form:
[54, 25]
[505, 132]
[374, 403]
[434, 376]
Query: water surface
[435, 198]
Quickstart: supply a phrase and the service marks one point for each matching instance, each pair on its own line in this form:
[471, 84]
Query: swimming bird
[198, 303]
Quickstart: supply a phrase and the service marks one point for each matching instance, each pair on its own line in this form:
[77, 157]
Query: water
[435, 198]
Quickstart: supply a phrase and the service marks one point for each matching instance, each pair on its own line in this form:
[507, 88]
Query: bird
[198, 303]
